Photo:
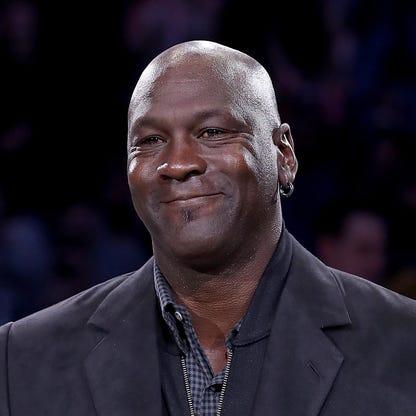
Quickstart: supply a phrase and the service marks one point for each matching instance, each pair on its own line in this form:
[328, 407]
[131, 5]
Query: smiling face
[202, 165]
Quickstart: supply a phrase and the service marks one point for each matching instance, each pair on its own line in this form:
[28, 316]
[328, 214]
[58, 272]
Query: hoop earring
[287, 190]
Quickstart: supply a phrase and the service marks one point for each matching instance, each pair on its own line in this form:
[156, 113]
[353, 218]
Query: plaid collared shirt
[205, 385]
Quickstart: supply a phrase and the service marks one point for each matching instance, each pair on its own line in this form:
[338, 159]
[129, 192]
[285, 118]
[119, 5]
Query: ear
[287, 162]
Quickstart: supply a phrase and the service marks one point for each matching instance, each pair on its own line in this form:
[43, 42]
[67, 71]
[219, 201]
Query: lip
[191, 197]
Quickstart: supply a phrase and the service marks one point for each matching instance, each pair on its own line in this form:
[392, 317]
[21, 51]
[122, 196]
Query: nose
[181, 160]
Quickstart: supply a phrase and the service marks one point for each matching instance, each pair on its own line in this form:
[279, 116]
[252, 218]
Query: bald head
[235, 74]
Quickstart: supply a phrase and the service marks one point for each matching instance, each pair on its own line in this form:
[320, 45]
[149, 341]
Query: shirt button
[178, 316]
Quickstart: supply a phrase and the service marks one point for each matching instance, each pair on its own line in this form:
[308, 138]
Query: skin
[206, 155]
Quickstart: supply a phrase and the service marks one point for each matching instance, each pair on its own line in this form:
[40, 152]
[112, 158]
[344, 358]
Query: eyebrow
[151, 121]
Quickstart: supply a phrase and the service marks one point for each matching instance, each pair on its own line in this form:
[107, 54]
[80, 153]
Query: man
[353, 239]
[231, 316]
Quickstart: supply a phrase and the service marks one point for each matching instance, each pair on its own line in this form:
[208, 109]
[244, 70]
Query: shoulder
[40, 351]
[71, 312]
[378, 346]
[364, 299]
[382, 334]
[370, 301]
[65, 319]
[31, 346]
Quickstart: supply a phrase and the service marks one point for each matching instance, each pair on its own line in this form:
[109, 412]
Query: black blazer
[339, 345]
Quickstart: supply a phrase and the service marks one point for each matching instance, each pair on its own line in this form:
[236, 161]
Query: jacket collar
[262, 310]
[301, 362]
[123, 367]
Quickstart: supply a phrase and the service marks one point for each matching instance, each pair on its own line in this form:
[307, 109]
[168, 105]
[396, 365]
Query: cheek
[257, 168]
[139, 173]
[267, 169]
[132, 167]
[258, 178]
[133, 175]
[138, 176]
[240, 162]
[242, 168]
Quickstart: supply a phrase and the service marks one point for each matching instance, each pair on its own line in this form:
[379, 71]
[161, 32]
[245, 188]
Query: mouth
[196, 198]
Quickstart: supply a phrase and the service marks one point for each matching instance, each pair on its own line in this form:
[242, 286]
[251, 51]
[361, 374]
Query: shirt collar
[173, 314]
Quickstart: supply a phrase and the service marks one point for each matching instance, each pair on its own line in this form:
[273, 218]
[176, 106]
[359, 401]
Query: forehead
[185, 93]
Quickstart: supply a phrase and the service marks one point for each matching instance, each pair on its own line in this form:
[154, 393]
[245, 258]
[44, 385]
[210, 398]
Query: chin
[197, 238]
[201, 247]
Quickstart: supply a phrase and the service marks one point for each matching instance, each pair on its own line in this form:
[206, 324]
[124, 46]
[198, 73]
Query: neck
[217, 299]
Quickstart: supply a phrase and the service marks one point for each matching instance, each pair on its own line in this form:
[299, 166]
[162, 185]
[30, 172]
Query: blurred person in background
[353, 239]
[231, 315]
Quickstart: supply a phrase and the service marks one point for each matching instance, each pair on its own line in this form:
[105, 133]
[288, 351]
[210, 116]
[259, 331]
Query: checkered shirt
[205, 385]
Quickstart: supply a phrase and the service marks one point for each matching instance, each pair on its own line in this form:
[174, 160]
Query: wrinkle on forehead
[236, 73]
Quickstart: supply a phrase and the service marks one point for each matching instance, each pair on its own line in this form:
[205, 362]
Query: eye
[211, 132]
[148, 140]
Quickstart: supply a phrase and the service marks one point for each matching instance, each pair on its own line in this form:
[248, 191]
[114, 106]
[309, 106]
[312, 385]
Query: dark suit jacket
[339, 345]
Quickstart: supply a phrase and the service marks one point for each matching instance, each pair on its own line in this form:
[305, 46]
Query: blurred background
[344, 72]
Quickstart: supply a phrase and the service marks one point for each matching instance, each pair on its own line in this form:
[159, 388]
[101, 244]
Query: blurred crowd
[344, 73]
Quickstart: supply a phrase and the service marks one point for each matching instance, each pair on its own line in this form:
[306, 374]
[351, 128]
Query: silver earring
[287, 190]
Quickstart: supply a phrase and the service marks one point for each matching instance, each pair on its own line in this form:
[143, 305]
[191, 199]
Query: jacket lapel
[123, 367]
[301, 362]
